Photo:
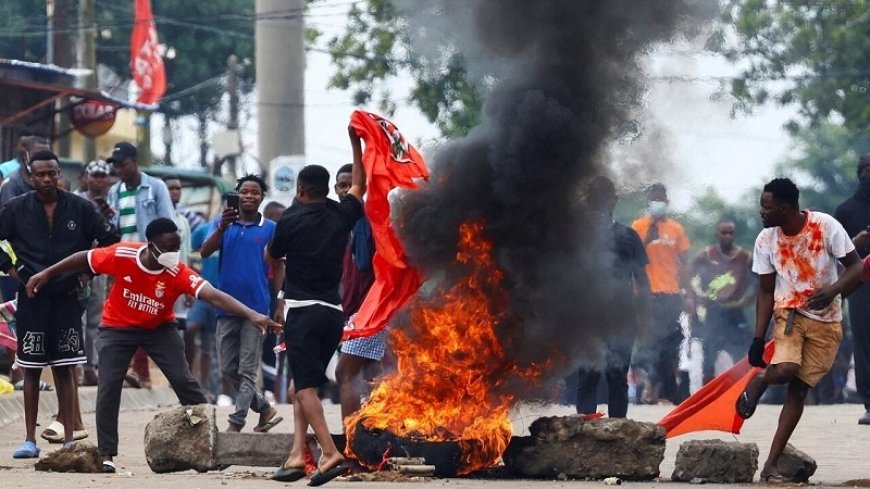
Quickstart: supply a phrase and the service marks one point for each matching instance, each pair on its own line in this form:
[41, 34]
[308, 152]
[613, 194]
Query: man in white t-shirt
[795, 256]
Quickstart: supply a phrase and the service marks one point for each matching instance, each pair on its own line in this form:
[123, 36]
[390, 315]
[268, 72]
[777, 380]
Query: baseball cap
[121, 152]
[97, 166]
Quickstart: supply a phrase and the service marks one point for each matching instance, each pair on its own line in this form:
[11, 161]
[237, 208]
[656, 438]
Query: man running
[795, 254]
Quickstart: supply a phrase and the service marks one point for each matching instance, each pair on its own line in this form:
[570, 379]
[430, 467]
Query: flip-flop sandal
[319, 478]
[109, 467]
[268, 425]
[772, 478]
[288, 474]
[53, 433]
[28, 449]
[132, 381]
[80, 434]
[745, 408]
[43, 385]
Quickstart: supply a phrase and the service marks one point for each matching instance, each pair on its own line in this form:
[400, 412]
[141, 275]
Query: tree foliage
[202, 34]
[376, 47]
[814, 54]
[23, 33]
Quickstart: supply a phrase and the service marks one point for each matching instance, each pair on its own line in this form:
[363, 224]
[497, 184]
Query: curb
[12, 406]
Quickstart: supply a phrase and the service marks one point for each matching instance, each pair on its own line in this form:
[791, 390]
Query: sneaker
[28, 449]
[864, 419]
[224, 400]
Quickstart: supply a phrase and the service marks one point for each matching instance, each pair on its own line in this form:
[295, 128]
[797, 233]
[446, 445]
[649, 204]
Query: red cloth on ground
[389, 162]
[712, 407]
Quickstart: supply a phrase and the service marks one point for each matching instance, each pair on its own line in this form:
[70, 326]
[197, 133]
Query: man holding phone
[241, 235]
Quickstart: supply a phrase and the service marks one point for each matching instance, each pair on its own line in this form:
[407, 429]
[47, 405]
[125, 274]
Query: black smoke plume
[569, 82]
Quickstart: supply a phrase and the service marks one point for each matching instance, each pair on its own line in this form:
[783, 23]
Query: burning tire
[374, 446]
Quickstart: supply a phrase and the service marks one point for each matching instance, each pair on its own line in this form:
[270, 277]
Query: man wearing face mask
[666, 245]
[854, 215]
[149, 277]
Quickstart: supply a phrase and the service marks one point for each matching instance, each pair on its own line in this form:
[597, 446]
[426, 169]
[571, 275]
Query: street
[830, 434]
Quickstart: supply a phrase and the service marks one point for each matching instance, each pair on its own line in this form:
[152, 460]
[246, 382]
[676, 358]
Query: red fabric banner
[712, 407]
[146, 63]
[389, 162]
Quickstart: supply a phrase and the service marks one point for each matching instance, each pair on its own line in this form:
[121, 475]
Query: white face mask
[658, 208]
[168, 259]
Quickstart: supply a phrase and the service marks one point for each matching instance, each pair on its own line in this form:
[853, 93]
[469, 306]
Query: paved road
[828, 433]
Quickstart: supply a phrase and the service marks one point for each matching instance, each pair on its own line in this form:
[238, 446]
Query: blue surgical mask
[658, 208]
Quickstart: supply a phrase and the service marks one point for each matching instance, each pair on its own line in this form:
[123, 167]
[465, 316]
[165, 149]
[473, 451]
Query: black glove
[756, 352]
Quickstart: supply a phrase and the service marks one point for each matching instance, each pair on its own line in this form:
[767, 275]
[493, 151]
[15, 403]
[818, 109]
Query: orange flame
[450, 364]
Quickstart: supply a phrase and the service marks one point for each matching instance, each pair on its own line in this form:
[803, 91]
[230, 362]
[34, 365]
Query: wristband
[280, 295]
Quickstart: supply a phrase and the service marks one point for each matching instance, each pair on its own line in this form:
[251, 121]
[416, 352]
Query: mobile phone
[101, 201]
[233, 201]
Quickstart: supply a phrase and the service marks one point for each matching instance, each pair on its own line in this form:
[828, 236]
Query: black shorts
[49, 330]
[311, 334]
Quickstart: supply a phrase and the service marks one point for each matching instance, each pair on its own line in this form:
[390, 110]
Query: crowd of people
[805, 261]
[103, 281]
[103, 286]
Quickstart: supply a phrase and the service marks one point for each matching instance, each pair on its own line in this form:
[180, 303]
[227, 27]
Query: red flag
[146, 63]
[389, 162]
[712, 407]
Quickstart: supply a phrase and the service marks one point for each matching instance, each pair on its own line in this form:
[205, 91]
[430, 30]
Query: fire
[451, 364]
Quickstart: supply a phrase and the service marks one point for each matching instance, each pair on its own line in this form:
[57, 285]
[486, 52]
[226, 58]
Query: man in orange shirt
[666, 246]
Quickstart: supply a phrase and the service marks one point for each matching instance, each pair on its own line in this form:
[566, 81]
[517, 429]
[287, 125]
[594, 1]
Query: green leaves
[818, 49]
[376, 47]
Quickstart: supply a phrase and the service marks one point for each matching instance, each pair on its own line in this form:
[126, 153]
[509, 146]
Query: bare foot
[293, 462]
[328, 463]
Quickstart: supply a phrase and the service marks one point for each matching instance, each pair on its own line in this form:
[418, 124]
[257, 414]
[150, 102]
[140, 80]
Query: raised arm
[358, 173]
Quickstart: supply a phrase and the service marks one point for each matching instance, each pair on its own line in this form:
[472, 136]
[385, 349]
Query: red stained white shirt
[803, 263]
[140, 298]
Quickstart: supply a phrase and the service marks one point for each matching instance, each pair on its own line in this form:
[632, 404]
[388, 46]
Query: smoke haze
[569, 84]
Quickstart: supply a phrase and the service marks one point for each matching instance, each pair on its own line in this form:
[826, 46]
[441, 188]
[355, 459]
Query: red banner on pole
[146, 63]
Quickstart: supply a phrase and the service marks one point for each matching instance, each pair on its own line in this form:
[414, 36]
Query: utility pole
[233, 69]
[280, 58]
[62, 24]
[88, 59]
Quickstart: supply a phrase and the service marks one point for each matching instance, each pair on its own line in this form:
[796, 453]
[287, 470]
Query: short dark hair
[159, 226]
[348, 168]
[252, 178]
[657, 187]
[315, 180]
[273, 205]
[784, 190]
[44, 155]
